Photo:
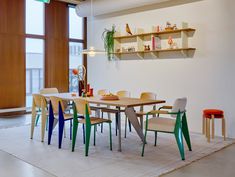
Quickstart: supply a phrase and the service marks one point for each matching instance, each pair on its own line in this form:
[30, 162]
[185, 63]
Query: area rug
[102, 162]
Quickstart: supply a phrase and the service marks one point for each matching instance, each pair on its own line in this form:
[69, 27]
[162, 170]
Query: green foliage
[107, 37]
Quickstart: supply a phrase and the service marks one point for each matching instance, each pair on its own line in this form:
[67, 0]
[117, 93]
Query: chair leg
[145, 135]
[37, 119]
[203, 125]
[186, 132]
[88, 135]
[75, 129]
[213, 126]
[33, 119]
[110, 137]
[83, 129]
[61, 129]
[125, 126]
[70, 128]
[223, 128]
[94, 134]
[43, 126]
[50, 127]
[208, 130]
[155, 141]
[179, 140]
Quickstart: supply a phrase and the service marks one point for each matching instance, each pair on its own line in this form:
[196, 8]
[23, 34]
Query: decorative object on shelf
[131, 49]
[146, 47]
[80, 73]
[156, 43]
[169, 27]
[175, 27]
[170, 42]
[128, 30]
[107, 37]
[118, 50]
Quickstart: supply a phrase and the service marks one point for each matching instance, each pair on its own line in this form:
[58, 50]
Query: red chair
[209, 115]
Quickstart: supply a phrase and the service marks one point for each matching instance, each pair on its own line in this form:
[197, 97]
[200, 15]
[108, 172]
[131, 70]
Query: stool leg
[208, 130]
[203, 125]
[223, 128]
[213, 126]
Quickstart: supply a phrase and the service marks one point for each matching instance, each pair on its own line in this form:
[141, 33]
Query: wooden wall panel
[57, 46]
[12, 54]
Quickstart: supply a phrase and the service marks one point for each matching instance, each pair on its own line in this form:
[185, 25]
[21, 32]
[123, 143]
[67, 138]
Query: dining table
[126, 103]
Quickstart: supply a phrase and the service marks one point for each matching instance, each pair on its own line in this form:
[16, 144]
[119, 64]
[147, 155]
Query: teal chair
[176, 124]
[82, 108]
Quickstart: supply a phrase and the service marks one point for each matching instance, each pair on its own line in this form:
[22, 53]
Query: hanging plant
[107, 37]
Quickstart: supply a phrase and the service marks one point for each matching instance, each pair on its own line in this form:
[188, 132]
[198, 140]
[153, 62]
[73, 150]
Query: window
[34, 17]
[76, 25]
[34, 49]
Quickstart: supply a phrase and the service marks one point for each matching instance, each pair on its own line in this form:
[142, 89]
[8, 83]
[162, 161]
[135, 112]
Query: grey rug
[102, 162]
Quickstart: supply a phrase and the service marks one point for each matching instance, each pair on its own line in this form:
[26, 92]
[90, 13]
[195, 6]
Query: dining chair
[175, 124]
[57, 112]
[46, 91]
[141, 113]
[39, 108]
[81, 107]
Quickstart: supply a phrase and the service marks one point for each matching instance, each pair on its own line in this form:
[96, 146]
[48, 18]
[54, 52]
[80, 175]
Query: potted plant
[109, 41]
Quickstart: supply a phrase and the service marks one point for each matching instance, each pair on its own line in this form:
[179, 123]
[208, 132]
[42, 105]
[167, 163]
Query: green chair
[81, 107]
[176, 125]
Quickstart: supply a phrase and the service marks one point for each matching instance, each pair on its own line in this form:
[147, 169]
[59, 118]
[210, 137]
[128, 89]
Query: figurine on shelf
[146, 47]
[128, 30]
[175, 27]
[168, 26]
[170, 42]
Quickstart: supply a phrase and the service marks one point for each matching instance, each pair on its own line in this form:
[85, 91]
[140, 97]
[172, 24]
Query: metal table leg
[119, 130]
[130, 113]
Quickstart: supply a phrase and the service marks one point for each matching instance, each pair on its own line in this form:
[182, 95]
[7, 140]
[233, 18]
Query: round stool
[209, 115]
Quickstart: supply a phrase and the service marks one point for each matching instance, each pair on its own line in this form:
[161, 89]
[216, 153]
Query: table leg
[119, 130]
[130, 113]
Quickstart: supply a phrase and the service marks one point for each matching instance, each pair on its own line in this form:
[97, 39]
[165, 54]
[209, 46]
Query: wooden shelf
[155, 33]
[152, 51]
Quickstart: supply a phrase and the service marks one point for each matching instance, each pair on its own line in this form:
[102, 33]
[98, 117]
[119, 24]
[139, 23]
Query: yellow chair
[39, 108]
[82, 107]
[57, 112]
[49, 90]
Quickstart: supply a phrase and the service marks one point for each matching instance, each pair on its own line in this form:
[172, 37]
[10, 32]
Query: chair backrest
[148, 96]
[179, 105]
[55, 104]
[101, 92]
[81, 106]
[39, 101]
[123, 93]
[49, 90]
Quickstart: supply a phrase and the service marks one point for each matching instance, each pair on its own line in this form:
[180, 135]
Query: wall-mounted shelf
[140, 39]
[156, 33]
[155, 52]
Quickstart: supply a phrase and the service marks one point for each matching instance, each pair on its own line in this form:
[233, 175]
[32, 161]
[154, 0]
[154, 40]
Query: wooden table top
[122, 102]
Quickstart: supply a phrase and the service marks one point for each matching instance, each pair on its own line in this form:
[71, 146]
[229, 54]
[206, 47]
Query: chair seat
[161, 124]
[216, 112]
[66, 116]
[95, 120]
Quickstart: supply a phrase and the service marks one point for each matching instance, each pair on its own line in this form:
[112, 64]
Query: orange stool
[209, 115]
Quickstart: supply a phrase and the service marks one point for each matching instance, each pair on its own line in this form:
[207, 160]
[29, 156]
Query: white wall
[206, 79]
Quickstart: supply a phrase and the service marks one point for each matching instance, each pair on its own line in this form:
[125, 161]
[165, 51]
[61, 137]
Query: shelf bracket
[155, 54]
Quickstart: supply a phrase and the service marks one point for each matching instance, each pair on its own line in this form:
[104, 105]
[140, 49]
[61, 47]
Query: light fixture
[91, 51]
[45, 1]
